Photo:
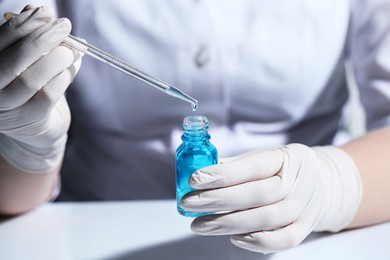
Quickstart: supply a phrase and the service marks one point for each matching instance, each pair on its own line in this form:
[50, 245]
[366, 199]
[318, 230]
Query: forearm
[22, 191]
[371, 154]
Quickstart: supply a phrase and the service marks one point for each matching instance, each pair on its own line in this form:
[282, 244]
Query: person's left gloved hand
[275, 198]
[35, 71]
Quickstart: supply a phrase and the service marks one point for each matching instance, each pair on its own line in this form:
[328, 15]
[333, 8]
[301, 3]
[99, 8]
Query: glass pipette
[112, 61]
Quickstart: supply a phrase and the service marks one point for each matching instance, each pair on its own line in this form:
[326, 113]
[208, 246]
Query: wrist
[343, 187]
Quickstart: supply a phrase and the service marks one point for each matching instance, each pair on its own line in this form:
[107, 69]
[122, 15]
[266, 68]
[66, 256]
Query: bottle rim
[195, 123]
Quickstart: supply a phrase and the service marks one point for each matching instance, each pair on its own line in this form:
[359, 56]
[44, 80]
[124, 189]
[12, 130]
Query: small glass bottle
[194, 153]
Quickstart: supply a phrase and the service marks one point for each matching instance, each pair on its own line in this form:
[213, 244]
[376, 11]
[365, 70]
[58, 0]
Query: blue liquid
[194, 153]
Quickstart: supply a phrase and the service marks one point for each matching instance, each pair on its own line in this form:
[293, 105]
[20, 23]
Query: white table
[154, 230]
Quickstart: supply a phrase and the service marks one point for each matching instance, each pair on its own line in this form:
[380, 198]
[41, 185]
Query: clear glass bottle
[194, 153]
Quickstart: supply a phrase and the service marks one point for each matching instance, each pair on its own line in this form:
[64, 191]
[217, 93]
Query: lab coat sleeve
[369, 50]
[16, 6]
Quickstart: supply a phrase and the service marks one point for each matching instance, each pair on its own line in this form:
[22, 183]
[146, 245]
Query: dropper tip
[172, 91]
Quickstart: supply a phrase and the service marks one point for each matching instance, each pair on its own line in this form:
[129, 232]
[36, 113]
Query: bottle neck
[194, 137]
[195, 129]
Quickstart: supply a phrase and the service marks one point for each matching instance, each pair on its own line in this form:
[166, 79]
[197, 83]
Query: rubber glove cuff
[31, 158]
[346, 190]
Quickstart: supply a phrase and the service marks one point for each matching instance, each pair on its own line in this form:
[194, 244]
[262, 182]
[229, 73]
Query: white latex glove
[35, 71]
[275, 198]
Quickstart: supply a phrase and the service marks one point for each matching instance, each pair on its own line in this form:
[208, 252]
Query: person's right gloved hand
[35, 71]
[272, 199]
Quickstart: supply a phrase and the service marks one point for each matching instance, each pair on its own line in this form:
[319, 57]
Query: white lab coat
[265, 73]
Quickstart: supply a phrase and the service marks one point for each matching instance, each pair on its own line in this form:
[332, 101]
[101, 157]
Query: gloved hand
[275, 198]
[35, 71]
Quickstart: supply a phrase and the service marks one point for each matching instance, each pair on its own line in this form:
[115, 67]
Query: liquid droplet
[194, 106]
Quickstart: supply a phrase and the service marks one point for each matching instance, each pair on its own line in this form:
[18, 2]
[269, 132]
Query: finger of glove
[55, 89]
[268, 217]
[251, 194]
[45, 99]
[28, 50]
[272, 241]
[300, 203]
[23, 24]
[29, 7]
[24, 120]
[285, 237]
[36, 76]
[253, 167]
